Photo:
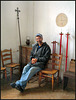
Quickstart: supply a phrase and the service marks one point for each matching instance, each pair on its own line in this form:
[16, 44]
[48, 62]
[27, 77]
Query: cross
[17, 12]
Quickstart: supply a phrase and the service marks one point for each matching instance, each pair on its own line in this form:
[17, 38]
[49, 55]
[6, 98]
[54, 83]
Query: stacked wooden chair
[6, 56]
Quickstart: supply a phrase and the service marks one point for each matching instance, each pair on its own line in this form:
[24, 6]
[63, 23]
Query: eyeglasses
[38, 38]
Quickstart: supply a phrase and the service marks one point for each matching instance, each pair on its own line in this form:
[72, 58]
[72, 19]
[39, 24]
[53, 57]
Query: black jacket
[42, 55]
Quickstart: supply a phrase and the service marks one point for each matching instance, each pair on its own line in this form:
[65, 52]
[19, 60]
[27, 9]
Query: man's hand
[34, 60]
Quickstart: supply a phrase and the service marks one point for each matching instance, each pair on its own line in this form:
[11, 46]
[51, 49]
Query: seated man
[40, 55]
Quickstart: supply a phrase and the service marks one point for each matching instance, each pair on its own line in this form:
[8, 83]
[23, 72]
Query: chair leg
[39, 78]
[19, 71]
[11, 72]
[46, 79]
[52, 82]
[58, 79]
[5, 74]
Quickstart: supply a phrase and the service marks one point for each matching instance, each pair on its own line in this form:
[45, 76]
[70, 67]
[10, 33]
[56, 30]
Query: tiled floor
[33, 91]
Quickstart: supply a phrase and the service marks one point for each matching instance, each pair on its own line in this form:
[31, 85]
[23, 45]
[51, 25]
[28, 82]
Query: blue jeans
[27, 73]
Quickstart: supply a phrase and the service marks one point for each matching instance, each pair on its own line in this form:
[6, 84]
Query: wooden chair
[3, 70]
[54, 61]
[6, 55]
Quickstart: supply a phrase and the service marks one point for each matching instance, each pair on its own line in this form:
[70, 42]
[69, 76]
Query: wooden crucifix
[17, 10]
[20, 58]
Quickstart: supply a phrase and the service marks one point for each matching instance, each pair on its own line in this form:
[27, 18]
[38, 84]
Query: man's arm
[31, 56]
[46, 55]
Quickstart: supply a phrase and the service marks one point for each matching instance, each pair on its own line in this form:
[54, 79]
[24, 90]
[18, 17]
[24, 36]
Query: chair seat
[49, 71]
[3, 68]
[12, 65]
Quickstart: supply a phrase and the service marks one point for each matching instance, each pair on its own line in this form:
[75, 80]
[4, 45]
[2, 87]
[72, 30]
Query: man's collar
[41, 45]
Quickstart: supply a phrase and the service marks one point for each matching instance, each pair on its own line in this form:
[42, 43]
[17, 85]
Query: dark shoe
[18, 87]
[13, 85]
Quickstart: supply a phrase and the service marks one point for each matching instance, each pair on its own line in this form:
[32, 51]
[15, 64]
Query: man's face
[39, 39]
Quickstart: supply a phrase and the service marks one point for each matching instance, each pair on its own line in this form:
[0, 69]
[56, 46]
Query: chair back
[6, 55]
[55, 61]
